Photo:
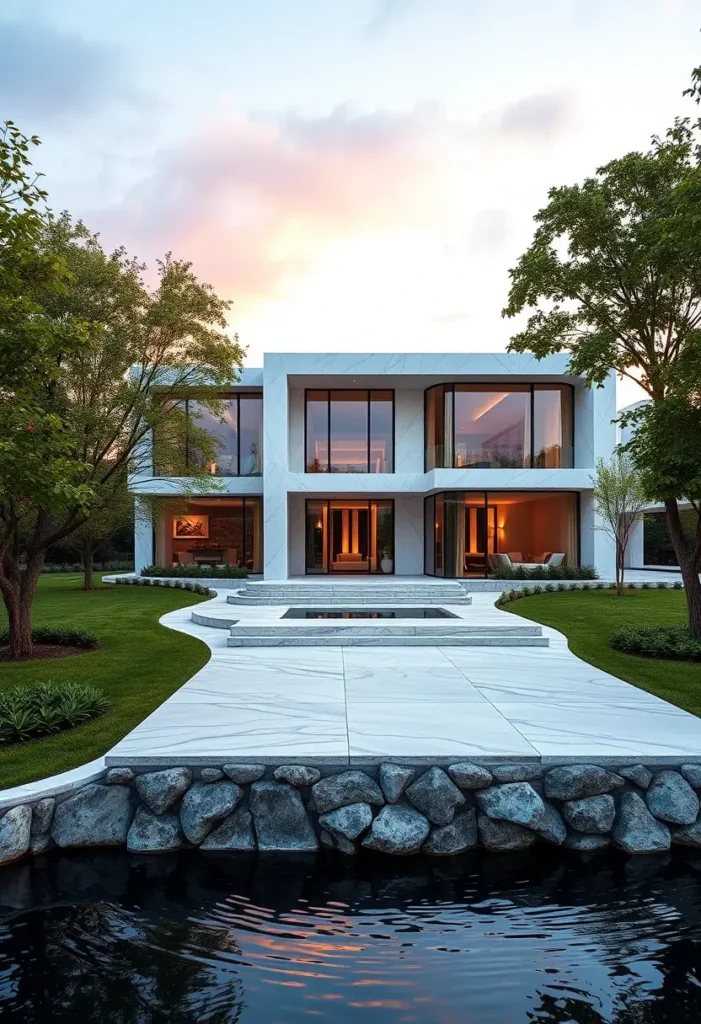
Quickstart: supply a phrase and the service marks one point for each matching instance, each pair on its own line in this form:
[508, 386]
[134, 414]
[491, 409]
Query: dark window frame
[227, 397]
[449, 389]
[327, 540]
[366, 391]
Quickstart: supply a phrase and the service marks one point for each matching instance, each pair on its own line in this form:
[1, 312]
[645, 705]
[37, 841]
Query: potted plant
[387, 561]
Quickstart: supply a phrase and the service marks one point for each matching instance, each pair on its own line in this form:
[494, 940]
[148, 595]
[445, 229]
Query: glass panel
[316, 523]
[492, 426]
[349, 431]
[381, 432]
[349, 536]
[224, 433]
[536, 528]
[552, 426]
[429, 549]
[438, 535]
[317, 456]
[435, 398]
[251, 434]
[382, 550]
[253, 534]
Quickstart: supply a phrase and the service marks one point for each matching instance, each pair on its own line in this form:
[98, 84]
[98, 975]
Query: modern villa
[437, 465]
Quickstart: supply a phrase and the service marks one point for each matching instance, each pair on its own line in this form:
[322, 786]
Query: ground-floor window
[470, 533]
[213, 531]
[352, 535]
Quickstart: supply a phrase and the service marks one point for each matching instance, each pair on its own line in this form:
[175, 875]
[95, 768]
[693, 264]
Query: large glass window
[237, 433]
[469, 533]
[214, 531]
[487, 426]
[350, 431]
[352, 535]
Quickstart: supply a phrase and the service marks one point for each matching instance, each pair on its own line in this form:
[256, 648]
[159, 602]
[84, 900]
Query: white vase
[386, 564]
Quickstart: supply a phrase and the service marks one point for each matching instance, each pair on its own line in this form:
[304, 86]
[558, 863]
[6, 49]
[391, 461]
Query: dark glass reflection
[537, 936]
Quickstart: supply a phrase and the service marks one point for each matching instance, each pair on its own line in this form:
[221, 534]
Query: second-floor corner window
[238, 434]
[492, 426]
[349, 431]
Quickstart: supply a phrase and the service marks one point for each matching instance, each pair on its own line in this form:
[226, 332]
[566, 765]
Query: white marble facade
[284, 484]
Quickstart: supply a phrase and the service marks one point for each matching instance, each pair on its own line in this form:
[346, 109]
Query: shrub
[55, 567]
[661, 585]
[40, 709]
[190, 572]
[674, 642]
[547, 572]
[677, 584]
[646, 585]
[63, 636]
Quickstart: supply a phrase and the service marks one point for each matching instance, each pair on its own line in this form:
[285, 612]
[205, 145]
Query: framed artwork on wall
[191, 527]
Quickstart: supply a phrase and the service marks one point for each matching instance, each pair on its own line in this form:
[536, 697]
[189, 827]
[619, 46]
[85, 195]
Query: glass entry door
[352, 536]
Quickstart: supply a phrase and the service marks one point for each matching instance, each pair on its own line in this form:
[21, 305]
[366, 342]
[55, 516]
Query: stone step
[383, 628]
[336, 640]
[328, 600]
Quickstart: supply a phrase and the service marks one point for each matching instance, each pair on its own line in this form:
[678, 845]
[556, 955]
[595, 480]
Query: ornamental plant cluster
[547, 572]
[674, 642]
[195, 588]
[73, 567]
[42, 709]
[61, 636]
[507, 596]
[189, 572]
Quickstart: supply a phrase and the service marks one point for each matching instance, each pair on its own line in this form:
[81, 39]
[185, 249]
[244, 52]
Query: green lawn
[138, 665]
[589, 617]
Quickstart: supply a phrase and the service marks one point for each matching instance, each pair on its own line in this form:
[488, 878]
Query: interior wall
[515, 527]
[545, 524]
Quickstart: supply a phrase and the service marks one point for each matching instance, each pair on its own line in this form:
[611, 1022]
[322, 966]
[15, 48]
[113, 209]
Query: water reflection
[110, 938]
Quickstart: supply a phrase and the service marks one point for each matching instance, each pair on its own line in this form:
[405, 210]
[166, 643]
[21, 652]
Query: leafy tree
[108, 513]
[613, 276]
[620, 502]
[109, 359]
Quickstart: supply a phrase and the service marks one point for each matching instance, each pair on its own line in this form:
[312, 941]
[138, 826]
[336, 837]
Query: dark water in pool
[368, 613]
[109, 938]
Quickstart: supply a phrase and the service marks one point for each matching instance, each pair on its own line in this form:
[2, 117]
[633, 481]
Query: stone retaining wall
[395, 810]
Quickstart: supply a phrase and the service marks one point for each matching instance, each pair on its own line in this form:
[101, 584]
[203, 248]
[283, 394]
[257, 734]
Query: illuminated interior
[349, 431]
[212, 531]
[350, 536]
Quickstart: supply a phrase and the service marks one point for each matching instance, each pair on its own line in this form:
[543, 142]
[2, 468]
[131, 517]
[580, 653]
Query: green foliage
[62, 636]
[137, 581]
[74, 567]
[41, 709]
[666, 641]
[547, 572]
[191, 572]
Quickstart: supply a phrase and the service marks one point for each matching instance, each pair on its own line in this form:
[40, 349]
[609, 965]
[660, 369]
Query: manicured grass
[589, 617]
[138, 665]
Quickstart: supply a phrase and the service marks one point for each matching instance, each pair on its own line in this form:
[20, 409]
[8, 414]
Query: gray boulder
[552, 828]
[394, 779]
[670, 798]
[211, 775]
[517, 772]
[470, 776]
[503, 835]
[346, 846]
[15, 831]
[457, 837]
[154, 833]
[590, 814]
[517, 802]
[435, 796]
[160, 790]
[94, 816]
[206, 803]
[688, 835]
[297, 774]
[42, 815]
[234, 833]
[692, 774]
[119, 777]
[576, 781]
[638, 774]
[635, 830]
[243, 774]
[586, 843]
[279, 818]
[326, 839]
[349, 821]
[352, 787]
[397, 829]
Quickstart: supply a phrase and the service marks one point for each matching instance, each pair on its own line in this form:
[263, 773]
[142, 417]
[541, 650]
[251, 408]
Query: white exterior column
[635, 551]
[275, 469]
[597, 547]
[143, 534]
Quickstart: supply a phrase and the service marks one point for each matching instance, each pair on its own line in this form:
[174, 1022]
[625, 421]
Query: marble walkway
[360, 705]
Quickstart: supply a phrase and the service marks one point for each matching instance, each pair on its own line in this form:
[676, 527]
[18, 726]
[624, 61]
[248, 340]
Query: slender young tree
[613, 276]
[620, 502]
[108, 514]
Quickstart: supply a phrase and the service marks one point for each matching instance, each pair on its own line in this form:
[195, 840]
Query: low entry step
[447, 633]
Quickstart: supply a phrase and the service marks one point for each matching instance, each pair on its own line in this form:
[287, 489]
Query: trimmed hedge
[136, 581]
[193, 572]
[673, 642]
[41, 709]
[63, 636]
[54, 567]
[547, 572]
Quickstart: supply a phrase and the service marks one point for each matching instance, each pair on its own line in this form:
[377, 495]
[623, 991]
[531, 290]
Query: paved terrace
[332, 705]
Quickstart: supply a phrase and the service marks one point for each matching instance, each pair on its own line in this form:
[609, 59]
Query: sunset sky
[354, 174]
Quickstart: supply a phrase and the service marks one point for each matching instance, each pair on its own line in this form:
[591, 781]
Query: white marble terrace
[364, 705]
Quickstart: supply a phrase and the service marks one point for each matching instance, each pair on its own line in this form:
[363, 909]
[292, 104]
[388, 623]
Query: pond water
[368, 613]
[541, 937]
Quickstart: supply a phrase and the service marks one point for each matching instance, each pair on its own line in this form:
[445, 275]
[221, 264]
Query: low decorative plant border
[664, 641]
[547, 572]
[61, 636]
[30, 711]
[54, 568]
[189, 572]
[146, 581]
[507, 596]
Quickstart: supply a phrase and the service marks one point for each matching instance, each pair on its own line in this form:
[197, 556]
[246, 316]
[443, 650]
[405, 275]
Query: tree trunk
[88, 569]
[688, 556]
[18, 587]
